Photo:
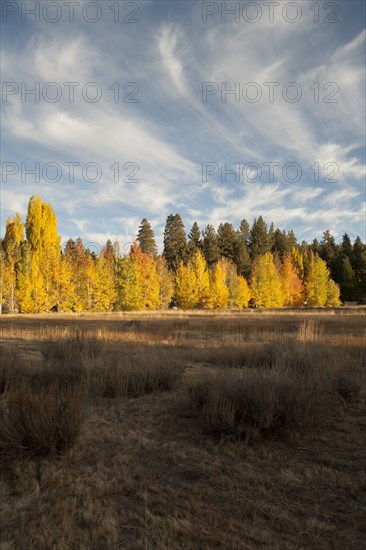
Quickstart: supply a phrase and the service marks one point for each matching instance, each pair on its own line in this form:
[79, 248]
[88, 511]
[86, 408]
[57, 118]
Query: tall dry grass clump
[41, 423]
[303, 387]
[132, 375]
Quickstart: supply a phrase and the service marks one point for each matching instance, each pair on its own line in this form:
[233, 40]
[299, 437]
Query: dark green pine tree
[359, 264]
[243, 231]
[271, 233]
[194, 240]
[328, 251]
[348, 282]
[346, 247]
[243, 262]
[258, 238]
[146, 239]
[227, 239]
[175, 241]
[210, 245]
[283, 242]
[314, 247]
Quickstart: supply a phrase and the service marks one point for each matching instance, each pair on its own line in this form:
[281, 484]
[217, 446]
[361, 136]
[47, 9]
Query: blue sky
[171, 138]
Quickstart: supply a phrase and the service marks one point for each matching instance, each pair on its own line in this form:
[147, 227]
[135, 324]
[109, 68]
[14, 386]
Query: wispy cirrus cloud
[170, 131]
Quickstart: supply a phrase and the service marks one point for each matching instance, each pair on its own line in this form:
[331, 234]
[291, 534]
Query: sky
[146, 108]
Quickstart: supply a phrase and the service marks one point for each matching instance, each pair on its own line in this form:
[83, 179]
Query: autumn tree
[316, 281]
[292, 288]
[265, 283]
[14, 236]
[42, 235]
[199, 266]
[166, 283]
[129, 295]
[104, 295]
[186, 292]
[239, 292]
[297, 259]
[333, 294]
[147, 276]
[219, 291]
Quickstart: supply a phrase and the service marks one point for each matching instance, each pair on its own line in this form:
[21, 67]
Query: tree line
[253, 265]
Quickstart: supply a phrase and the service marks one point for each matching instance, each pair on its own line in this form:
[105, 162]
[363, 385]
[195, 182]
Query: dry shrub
[116, 376]
[71, 350]
[267, 400]
[300, 391]
[10, 369]
[42, 423]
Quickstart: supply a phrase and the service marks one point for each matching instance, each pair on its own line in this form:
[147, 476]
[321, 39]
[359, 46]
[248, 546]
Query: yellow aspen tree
[148, 277]
[333, 294]
[199, 266]
[298, 262]
[219, 296]
[105, 292]
[265, 283]
[239, 292]
[185, 286]
[129, 295]
[91, 281]
[292, 287]
[42, 235]
[166, 283]
[316, 282]
[31, 293]
[3, 280]
[65, 288]
[14, 236]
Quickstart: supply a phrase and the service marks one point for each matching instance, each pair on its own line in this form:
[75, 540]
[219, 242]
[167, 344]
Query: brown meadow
[183, 430]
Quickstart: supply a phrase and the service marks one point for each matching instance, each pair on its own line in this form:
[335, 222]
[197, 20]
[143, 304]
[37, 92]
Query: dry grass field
[183, 430]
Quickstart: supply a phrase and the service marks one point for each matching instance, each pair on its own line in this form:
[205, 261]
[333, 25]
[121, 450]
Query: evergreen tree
[175, 241]
[194, 241]
[244, 231]
[348, 282]
[242, 260]
[328, 251]
[146, 239]
[359, 264]
[258, 238]
[227, 240]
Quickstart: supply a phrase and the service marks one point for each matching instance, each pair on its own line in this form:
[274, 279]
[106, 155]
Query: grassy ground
[125, 447]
